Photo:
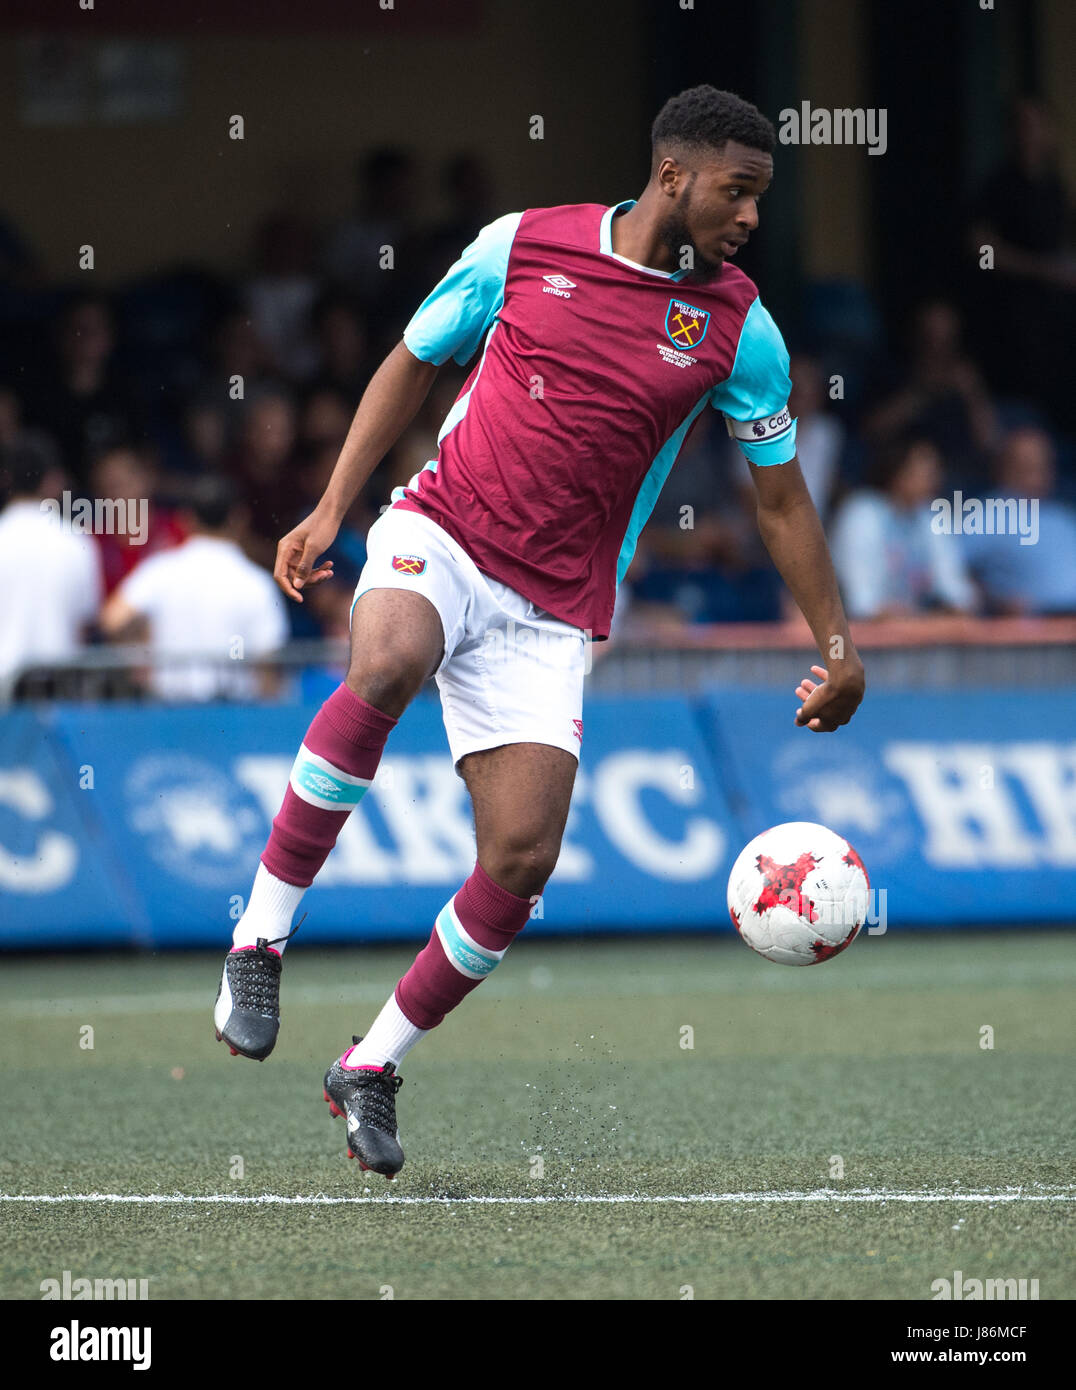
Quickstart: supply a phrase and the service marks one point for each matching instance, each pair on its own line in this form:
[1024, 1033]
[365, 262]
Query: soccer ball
[798, 893]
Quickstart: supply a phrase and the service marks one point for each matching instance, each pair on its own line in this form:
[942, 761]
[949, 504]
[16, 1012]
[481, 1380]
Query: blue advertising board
[962, 804]
[61, 876]
[174, 806]
[137, 824]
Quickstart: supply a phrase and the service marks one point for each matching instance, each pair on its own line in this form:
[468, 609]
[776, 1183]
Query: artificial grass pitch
[841, 1131]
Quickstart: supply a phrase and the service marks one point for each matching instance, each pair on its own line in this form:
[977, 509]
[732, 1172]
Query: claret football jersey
[592, 371]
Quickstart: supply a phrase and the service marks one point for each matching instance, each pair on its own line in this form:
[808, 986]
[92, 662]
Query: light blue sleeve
[455, 316]
[754, 399]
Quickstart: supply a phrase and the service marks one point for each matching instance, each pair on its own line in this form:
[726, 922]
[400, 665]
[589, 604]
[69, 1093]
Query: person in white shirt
[53, 584]
[203, 598]
[889, 560]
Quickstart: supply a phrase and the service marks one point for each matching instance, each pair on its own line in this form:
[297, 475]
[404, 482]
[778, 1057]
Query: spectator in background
[1027, 302]
[203, 597]
[468, 193]
[127, 473]
[385, 217]
[52, 586]
[10, 416]
[21, 284]
[204, 442]
[13, 432]
[235, 353]
[889, 560]
[20, 266]
[940, 397]
[79, 397]
[820, 436]
[339, 333]
[265, 470]
[325, 418]
[1035, 573]
[282, 293]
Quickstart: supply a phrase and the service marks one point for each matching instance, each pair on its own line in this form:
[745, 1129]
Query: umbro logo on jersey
[558, 285]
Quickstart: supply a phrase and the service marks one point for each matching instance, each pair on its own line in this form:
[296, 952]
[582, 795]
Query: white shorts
[511, 673]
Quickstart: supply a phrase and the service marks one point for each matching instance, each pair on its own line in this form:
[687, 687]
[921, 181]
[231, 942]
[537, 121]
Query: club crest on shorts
[408, 564]
[685, 325]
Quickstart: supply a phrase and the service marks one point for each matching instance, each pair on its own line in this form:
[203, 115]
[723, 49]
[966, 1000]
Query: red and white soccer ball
[798, 893]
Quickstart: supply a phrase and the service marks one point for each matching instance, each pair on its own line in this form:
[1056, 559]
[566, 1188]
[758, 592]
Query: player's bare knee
[389, 680]
[396, 645]
[521, 865]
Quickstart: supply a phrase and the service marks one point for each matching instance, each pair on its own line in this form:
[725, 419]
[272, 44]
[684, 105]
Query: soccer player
[604, 333]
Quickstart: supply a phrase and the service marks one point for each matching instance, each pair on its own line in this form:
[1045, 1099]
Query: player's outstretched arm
[389, 404]
[793, 534]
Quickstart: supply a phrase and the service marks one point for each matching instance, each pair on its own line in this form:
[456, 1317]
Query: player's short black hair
[705, 118]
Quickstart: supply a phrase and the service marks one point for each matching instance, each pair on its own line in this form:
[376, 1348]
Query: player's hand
[296, 556]
[833, 701]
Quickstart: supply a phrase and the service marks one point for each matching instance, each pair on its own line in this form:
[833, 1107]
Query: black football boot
[247, 1011]
[367, 1098]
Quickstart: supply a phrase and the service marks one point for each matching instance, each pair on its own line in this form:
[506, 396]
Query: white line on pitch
[824, 1195]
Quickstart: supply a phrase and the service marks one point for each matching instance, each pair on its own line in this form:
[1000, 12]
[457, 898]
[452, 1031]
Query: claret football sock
[334, 767]
[471, 934]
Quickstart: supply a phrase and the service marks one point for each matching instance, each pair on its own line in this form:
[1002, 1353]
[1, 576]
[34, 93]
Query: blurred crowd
[223, 406]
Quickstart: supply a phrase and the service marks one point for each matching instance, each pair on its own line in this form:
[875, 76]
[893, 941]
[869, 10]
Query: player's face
[715, 204]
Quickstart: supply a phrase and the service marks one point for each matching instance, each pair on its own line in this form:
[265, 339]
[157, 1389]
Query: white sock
[269, 911]
[390, 1039]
